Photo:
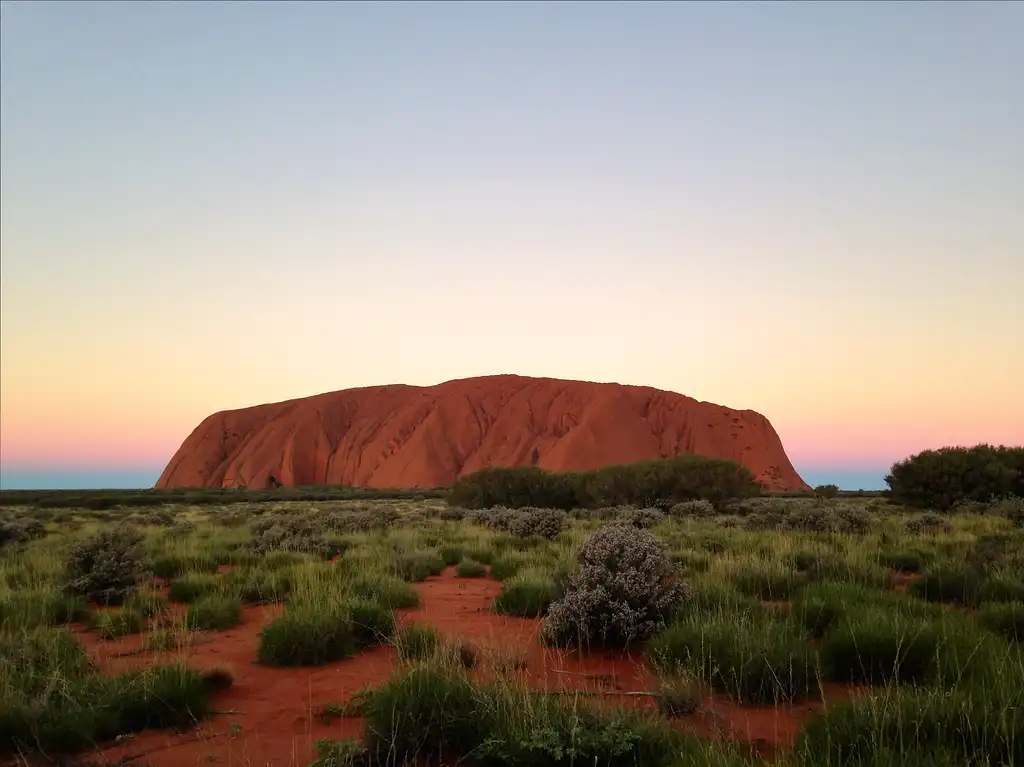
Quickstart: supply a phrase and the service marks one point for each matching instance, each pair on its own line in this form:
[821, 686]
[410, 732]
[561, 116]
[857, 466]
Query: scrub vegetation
[872, 630]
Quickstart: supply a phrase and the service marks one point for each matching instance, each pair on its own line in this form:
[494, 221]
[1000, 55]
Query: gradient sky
[813, 210]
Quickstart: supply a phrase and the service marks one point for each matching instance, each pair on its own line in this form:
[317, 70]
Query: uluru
[429, 436]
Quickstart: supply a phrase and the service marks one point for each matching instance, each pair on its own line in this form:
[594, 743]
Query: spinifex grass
[774, 612]
[214, 612]
[527, 594]
[119, 622]
[54, 700]
[751, 656]
[435, 708]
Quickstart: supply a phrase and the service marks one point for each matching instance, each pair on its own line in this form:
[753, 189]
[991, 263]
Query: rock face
[411, 436]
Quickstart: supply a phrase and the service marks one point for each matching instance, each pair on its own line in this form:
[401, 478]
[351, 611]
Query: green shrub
[826, 492]
[338, 753]
[714, 595]
[503, 568]
[768, 584]
[641, 518]
[97, 708]
[928, 523]
[106, 568]
[33, 659]
[875, 646]
[192, 586]
[164, 640]
[996, 589]
[416, 642]
[817, 615]
[919, 727]
[214, 613]
[422, 713]
[698, 509]
[32, 608]
[279, 559]
[691, 562]
[946, 584]
[942, 478]
[119, 622]
[254, 585]
[678, 697]
[19, 529]
[1006, 619]
[420, 565]
[307, 636]
[527, 594]
[543, 523]
[748, 656]
[514, 487]
[431, 713]
[388, 590]
[480, 554]
[169, 566]
[904, 561]
[149, 603]
[469, 569]
[452, 555]
[820, 606]
[372, 622]
[292, 533]
[658, 483]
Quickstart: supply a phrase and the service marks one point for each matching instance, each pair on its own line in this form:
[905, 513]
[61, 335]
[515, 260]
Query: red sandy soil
[411, 436]
[275, 709]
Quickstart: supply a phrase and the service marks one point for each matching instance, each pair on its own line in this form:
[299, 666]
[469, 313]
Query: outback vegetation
[668, 615]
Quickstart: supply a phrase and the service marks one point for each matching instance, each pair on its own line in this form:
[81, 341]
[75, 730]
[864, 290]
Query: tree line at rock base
[938, 479]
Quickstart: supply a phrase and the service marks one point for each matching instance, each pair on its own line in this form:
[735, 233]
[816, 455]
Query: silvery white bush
[623, 591]
[107, 567]
[547, 523]
[642, 518]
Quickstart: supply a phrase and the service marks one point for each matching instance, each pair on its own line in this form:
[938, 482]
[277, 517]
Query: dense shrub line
[941, 479]
[660, 484]
[100, 500]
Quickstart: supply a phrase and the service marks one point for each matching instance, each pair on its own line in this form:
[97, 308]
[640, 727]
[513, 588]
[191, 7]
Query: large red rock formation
[411, 436]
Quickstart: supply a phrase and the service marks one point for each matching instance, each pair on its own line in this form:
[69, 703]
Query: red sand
[410, 436]
[271, 716]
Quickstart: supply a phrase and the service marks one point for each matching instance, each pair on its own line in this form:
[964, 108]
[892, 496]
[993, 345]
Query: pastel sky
[813, 210]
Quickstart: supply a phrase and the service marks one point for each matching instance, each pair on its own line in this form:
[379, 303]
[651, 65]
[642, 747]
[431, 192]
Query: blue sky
[811, 210]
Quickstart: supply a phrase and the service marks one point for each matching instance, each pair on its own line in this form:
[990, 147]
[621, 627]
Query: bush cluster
[206, 496]
[641, 518]
[1011, 507]
[746, 655]
[314, 634]
[430, 714]
[15, 529]
[106, 568]
[940, 479]
[162, 517]
[697, 509]
[661, 484]
[529, 593]
[624, 591]
[57, 702]
[214, 613]
[522, 522]
[815, 519]
[545, 523]
[928, 523]
[291, 532]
